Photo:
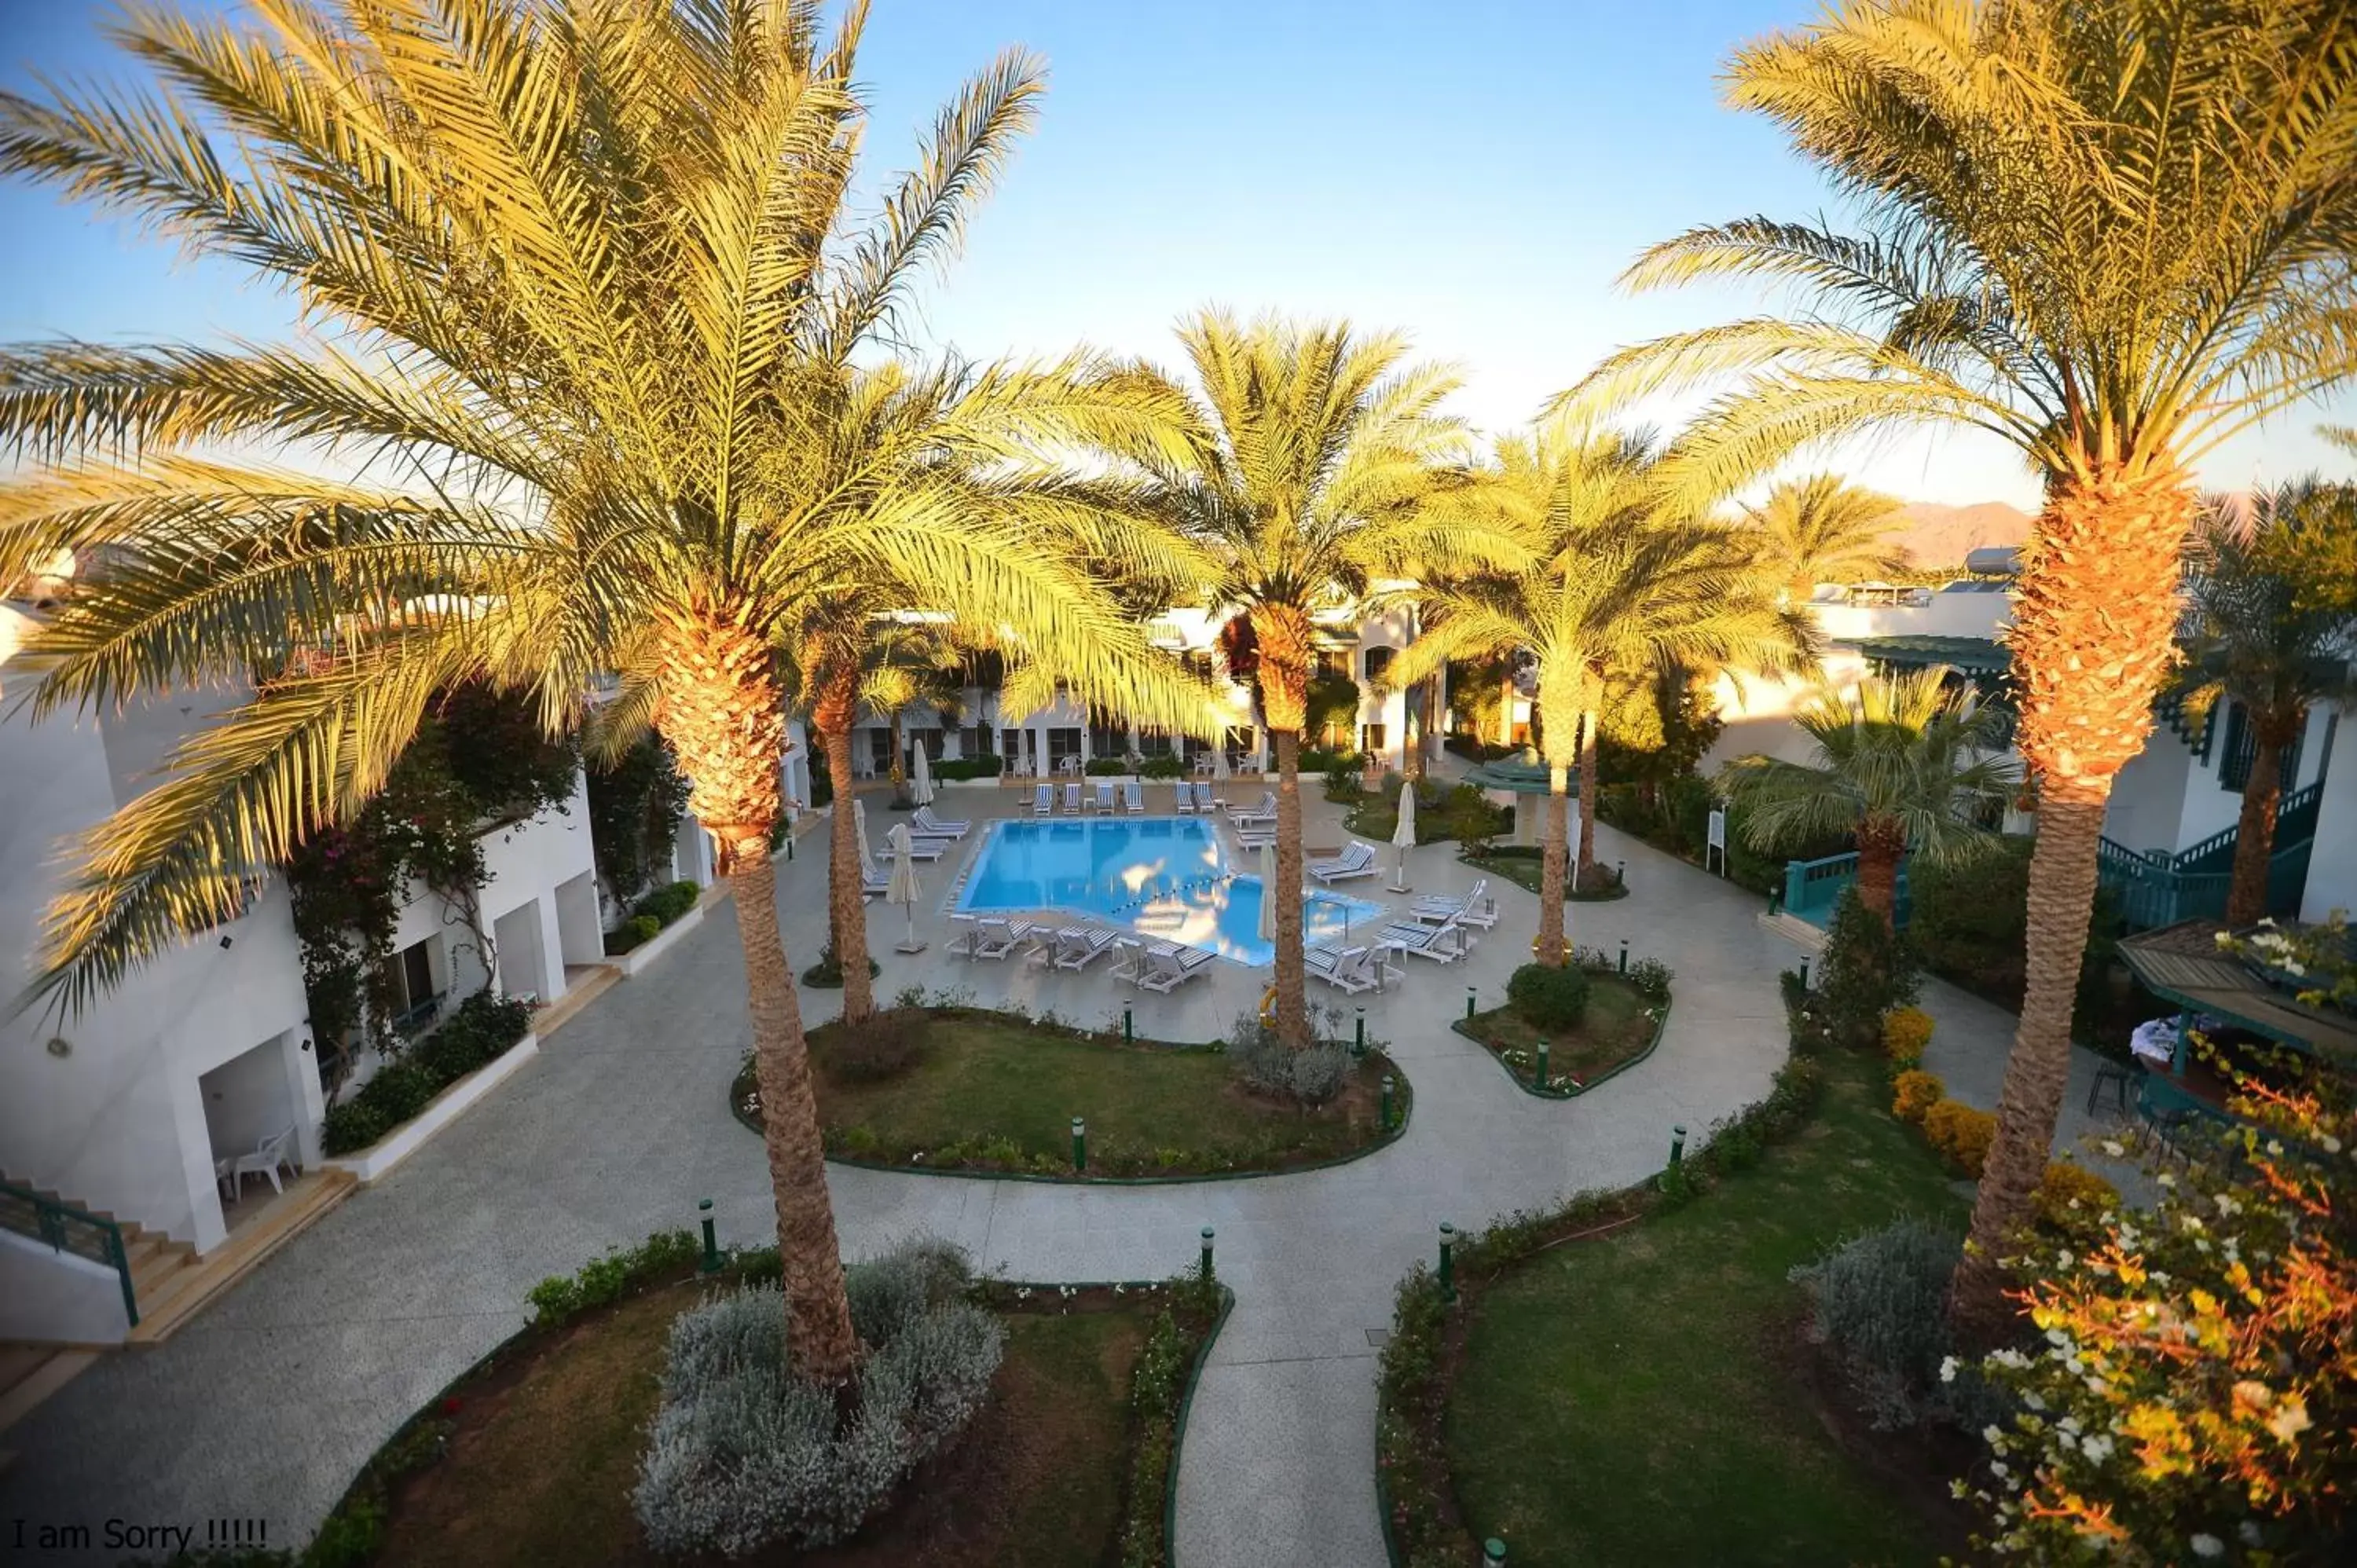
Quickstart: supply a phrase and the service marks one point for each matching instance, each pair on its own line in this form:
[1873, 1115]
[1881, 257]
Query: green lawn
[1521, 865]
[1636, 1399]
[986, 1093]
[1617, 1027]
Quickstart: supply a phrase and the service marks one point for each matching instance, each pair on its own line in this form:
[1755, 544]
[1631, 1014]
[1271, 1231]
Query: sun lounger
[1072, 799]
[1163, 967]
[1186, 799]
[924, 824]
[995, 937]
[1444, 943]
[1076, 946]
[1132, 800]
[1205, 801]
[1345, 968]
[1356, 860]
[1103, 801]
[1265, 811]
[1256, 837]
[1043, 799]
[1478, 907]
[873, 884]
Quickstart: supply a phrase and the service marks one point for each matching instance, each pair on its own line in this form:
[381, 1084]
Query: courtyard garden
[959, 1088]
[1565, 1029]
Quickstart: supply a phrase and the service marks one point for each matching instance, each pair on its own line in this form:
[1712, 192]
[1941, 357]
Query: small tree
[1868, 969]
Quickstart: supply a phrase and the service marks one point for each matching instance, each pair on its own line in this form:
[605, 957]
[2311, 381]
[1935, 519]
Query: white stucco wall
[49, 1297]
[2332, 864]
[116, 1119]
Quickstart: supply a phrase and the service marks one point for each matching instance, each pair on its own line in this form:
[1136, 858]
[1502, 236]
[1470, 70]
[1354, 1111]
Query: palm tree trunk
[1283, 631]
[900, 768]
[1880, 845]
[1506, 711]
[723, 716]
[1588, 768]
[2254, 836]
[2094, 630]
[846, 899]
[821, 1342]
[1552, 858]
[1413, 713]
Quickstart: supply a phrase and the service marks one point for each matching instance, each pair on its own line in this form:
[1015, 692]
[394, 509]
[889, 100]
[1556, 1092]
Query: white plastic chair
[267, 1157]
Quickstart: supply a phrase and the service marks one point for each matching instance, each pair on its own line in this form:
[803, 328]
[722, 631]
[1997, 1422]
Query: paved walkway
[269, 1401]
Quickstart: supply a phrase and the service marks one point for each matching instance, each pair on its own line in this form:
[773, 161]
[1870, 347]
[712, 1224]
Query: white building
[128, 1108]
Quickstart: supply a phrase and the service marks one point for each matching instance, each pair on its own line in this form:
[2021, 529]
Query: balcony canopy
[2181, 963]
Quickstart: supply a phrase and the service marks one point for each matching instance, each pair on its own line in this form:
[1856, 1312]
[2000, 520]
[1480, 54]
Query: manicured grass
[1521, 866]
[1645, 1397]
[543, 1450]
[988, 1092]
[1619, 1025]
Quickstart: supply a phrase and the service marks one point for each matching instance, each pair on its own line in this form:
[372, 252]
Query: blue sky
[1474, 174]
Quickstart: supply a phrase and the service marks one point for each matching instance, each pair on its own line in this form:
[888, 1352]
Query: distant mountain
[1931, 535]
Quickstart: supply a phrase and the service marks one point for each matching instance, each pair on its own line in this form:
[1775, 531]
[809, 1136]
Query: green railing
[68, 1230]
[1811, 888]
[2295, 820]
[2150, 894]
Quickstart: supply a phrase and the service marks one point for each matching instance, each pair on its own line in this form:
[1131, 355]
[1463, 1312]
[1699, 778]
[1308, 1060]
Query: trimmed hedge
[980, 765]
[483, 1028]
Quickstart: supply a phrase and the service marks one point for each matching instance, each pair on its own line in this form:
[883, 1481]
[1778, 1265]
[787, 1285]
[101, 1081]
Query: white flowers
[2206, 1546]
[2115, 1148]
[2226, 1205]
[1947, 1368]
[2096, 1447]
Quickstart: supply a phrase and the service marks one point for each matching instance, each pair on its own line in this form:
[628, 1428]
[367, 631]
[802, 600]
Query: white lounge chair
[1103, 800]
[1257, 836]
[1076, 946]
[995, 937]
[1205, 801]
[1186, 799]
[1072, 799]
[873, 884]
[1444, 943]
[924, 824]
[1163, 967]
[1345, 968]
[1133, 799]
[279, 1149]
[1043, 799]
[1478, 907]
[921, 849]
[1356, 860]
[1265, 811]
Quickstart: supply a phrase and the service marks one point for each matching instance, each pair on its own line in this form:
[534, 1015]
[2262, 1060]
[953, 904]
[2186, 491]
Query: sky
[1475, 175]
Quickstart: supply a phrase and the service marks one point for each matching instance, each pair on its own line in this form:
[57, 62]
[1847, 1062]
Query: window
[973, 741]
[1150, 743]
[1379, 660]
[409, 976]
[1064, 743]
[1108, 740]
[1371, 738]
[879, 750]
[2242, 749]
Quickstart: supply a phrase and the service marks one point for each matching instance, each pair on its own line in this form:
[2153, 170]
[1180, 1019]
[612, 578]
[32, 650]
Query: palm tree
[2260, 638]
[1311, 457]
[1589, 577]
[584, 301]
[1900, 764]
[1823, 528]
[2113, 232]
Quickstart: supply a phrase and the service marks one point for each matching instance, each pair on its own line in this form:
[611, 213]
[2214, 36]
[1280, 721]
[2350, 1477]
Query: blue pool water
[1166, 878]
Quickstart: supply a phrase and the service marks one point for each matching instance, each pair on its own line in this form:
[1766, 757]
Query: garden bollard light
[1128, 1025]
[1804, 972]
[1677, 1143]
[1359, 1043]
[1207, 1252]
[1493, 1553]
[1080, 1145]
[1447, 1261]
[1624, 955]
[1619, 874]
[1469, 1002]
[1775, 901]
[711, 1247]
[1543, 1063]
[1387, 1102]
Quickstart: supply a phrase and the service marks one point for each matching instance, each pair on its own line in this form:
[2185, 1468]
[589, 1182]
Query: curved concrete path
[268, 1402]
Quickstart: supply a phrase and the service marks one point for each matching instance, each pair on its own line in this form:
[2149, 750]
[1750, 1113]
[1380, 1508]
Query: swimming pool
[1166, 878]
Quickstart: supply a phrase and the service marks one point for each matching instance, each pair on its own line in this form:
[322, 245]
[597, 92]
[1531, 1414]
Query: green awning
[2181, 963]
[1518, 778]
[1973, 655]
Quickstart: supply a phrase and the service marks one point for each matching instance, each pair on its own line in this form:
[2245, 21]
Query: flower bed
[1609, 1023]
[664, 906]
[481, 1029]
[1521, 864]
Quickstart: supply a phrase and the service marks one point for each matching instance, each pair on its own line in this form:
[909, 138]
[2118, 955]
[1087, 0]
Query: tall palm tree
[1313, 451]
[585, 299]
[1586, 575]
[1823, 528]
[2261, 639]
[1900, 763]
[2111, 232]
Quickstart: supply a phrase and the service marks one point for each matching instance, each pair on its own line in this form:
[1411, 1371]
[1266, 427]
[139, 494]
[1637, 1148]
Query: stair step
[186, 1291]
[56, 1368]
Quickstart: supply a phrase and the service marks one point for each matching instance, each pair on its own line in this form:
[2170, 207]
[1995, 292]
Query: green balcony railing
[69, 1229]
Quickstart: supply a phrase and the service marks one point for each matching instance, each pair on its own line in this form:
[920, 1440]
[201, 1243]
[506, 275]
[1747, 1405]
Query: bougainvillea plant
[2194, 1396]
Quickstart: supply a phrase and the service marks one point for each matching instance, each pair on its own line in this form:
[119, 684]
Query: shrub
[668, 903]
[2070, 1198]
[634, 932]
[1905, 1032]
[1344, 785]
[744, 1454]
[350, 1126]
[982, 764]
[1868, 971]
[1918, 1091]
[884, 1046]
[1309, 1075]
[1961, 1133]
[608, 1277]
[1106, 767]
[1166, 766]
[1652, 978]
[1549, 998]
[1880, 1300]
[828, 971]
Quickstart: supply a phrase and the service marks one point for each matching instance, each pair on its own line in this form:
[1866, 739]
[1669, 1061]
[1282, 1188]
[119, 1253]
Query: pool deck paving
[267, 1404]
